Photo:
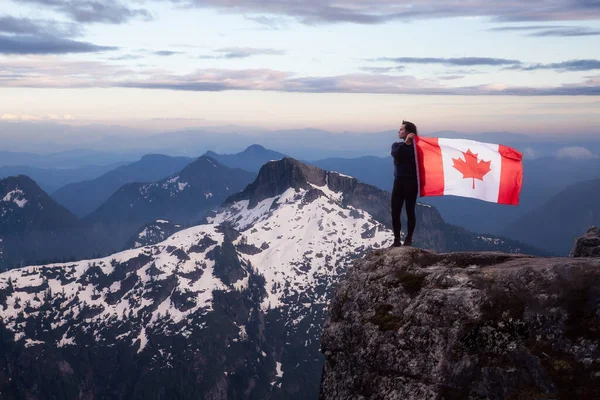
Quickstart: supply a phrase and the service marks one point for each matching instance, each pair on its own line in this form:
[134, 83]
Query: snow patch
[142, 338]
[340, 174]
[16, 196]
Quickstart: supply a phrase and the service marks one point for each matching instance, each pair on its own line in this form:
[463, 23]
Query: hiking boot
[396, 243]
[408, 241]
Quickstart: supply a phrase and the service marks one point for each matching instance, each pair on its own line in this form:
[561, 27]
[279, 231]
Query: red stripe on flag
[511, 175]
[431, 167]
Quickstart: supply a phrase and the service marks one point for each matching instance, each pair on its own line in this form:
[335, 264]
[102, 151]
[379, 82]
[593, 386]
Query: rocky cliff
[412, 324]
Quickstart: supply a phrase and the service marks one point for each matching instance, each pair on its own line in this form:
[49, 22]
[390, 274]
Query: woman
[406, 186]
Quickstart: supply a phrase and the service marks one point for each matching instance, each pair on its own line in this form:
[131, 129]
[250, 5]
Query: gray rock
[587, 245]
[412, 324]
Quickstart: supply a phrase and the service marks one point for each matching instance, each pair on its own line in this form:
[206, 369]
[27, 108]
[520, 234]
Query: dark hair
[410, 127]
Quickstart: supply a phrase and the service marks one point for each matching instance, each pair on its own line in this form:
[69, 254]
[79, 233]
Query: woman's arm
[401, 150]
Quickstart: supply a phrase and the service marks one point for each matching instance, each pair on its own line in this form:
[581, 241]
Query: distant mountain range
[544, 177]
[556, 224]
[51, 179]
[305, 144]
[67, 159]
[84, 197]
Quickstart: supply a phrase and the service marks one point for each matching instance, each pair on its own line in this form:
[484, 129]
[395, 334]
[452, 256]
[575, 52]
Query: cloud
[571, 65]
[213, 80]
[29, 44]
[29, 117]
[166, 53]
[53, 72]
[269, 23]
[450, 77]
[28, 36]
[550, 30]
[381, 11]
[382, 70]
[530, 153]
[461, 62]
[26, 26]
[575, 152]
[244, 52]
[570, 32]
[125, 57]
[90, 11]
[270, 80]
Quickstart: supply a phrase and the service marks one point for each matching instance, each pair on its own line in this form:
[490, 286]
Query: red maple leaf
[470, 167]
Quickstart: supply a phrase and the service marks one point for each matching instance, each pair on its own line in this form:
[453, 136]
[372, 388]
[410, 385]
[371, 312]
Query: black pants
[405, 190]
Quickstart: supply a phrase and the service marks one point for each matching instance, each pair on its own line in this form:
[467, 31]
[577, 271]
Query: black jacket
[405, 163]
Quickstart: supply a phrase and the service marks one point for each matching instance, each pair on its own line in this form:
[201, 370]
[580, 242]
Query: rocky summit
[412, 324]
[587, 245]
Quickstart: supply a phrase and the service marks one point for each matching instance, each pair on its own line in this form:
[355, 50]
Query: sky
[346, 65]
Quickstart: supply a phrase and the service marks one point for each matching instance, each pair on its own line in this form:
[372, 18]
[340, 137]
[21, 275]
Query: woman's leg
[397, 202]
[412, 190]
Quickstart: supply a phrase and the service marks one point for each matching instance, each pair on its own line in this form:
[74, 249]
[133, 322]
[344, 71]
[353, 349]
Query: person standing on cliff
[406, 185]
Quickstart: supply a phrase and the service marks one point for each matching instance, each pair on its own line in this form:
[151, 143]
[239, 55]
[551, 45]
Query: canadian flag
[460, 167]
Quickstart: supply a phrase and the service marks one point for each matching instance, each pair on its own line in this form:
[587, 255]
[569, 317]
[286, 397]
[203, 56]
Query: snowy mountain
[257, 296]
[184, 197]
[34, 227]
[229, 309]
[24, 206]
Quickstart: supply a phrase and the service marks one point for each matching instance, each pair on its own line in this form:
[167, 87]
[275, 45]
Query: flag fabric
[466, 168]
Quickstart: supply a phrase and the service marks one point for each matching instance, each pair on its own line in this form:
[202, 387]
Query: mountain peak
[251, 159]
[155, 157]
[276, 176]
[20, 183]
[255, 148]
[202, 162]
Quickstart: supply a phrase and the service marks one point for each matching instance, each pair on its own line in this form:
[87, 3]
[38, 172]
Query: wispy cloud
[29, 36]
[459, 62]
[166, 53]
[38, 27]
[576, 153]
[270, 80]
[32, 117]
[380, 11]
[550, 31]
[22, 44]
[90, 11]
[271, 23]
[243, 52]
[450, 77]
[382, 70]
[125, 57]
[571, 65]
[54, 73]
